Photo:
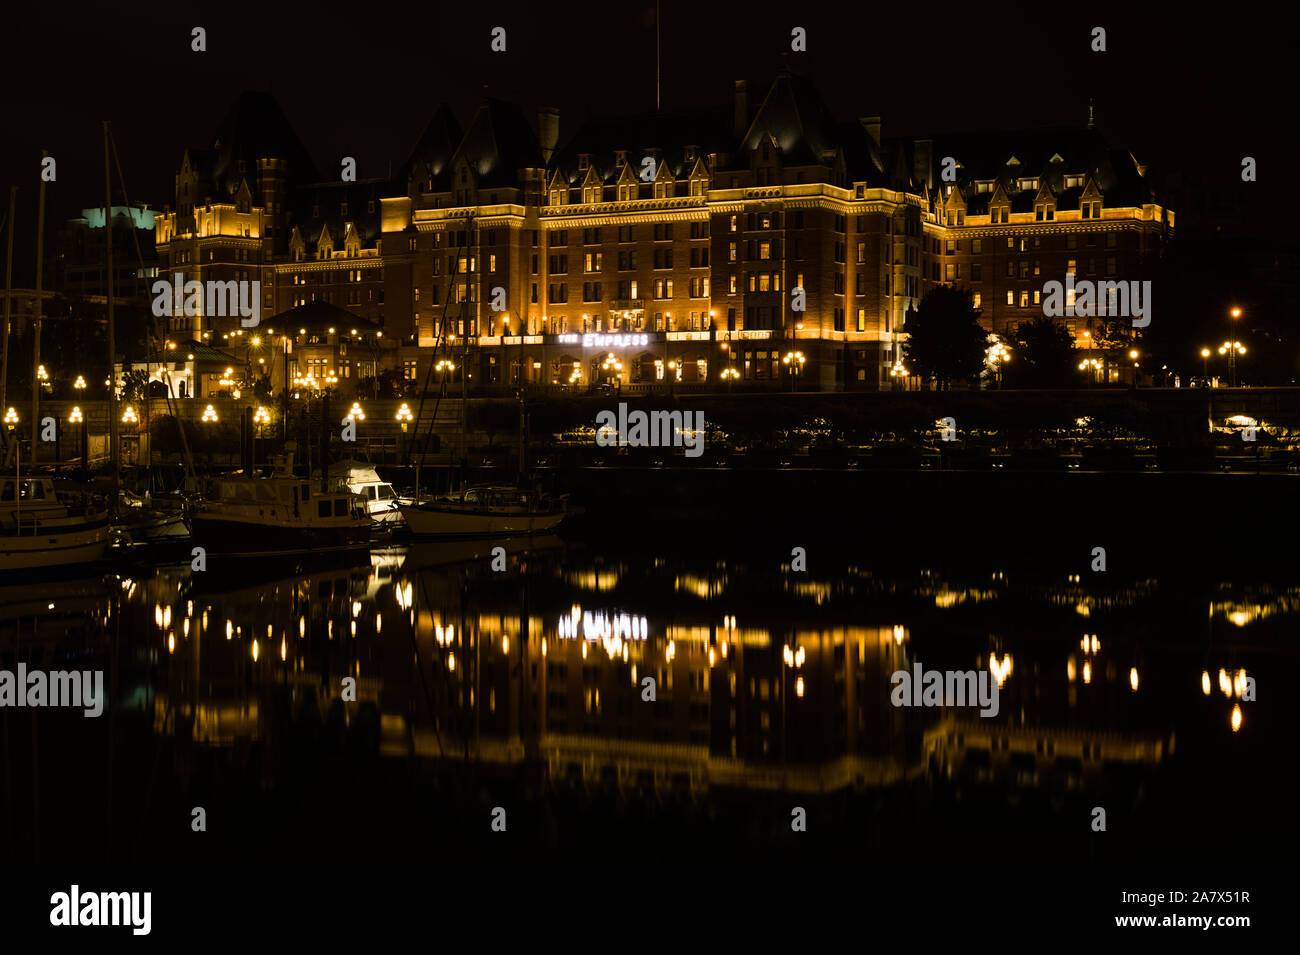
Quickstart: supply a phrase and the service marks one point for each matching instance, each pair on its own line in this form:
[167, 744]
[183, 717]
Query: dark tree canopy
[1042, 355]
[945, 339]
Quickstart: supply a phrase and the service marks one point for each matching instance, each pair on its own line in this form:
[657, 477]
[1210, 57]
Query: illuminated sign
[603, 341]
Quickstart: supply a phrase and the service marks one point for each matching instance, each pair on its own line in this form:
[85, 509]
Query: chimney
[921, 160]
[872, 125]
[548, 131]
[742, 108]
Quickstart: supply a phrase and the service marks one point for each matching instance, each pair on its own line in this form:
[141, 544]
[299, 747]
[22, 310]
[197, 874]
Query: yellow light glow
[1205, 682]
[1225, 686]
[1133, 678]
[1236, 717]
[798, 687]
[1087, 672]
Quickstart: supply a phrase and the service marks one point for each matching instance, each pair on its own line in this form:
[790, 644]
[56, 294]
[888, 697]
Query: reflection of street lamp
[897, 371]
[790, 660]
[80, 383]
[209, 414]
[729, 375]
[794, 360]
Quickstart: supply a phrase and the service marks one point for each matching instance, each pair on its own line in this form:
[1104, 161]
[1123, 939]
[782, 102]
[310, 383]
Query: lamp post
[729, 375]
[1234, 313]
[794, 360]
[1232, 349]
[1205, 367]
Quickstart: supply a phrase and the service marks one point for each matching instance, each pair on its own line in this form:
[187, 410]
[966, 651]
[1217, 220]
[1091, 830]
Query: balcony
[627, 305]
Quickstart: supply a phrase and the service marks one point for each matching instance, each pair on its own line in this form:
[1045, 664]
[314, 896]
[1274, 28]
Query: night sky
[1184, 93]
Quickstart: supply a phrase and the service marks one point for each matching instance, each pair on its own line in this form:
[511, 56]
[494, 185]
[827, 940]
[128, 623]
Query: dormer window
[620, 158]
[556, 195]
[343, 208]
[584, 161]
[1044, 212]
[315, 210]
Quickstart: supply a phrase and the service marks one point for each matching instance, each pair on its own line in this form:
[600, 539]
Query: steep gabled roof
[434, 149]
[602, 137]
[798, 120]
[498, 144]
[255, 128]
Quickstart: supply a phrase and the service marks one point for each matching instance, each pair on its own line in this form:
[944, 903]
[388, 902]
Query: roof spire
[1090, 122]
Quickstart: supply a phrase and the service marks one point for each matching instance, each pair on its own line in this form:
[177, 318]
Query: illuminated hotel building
[679, 242]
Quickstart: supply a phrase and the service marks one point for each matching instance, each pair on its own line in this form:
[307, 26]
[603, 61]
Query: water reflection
[759, 682]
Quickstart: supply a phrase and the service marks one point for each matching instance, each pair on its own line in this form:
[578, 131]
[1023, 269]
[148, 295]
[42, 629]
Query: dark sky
[1184, 92]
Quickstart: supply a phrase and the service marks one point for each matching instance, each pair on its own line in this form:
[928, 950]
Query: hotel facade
[752, 245]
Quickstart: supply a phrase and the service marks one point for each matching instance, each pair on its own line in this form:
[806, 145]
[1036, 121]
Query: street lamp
[129, 416]
[209, 414]
[1205, 366]
[794, 360]
[729, 375]
[355, 413]
[1232, 350]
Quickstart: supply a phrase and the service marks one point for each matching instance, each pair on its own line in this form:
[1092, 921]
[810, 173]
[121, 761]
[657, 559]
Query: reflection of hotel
[800, 708]
[675, 242]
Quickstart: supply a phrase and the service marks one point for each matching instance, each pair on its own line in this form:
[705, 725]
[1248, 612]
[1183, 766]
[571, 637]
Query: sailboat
[40, 525]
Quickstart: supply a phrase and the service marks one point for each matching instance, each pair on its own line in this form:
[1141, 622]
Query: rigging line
[153, 327]
[442, 328]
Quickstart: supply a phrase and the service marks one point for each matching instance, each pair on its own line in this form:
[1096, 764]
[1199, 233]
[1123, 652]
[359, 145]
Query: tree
[134, 382]
[945, 340]
[1043, 355]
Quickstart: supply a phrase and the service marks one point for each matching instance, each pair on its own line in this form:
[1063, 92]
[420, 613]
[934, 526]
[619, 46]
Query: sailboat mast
[40, 310]
[112, 340]
[9, 282]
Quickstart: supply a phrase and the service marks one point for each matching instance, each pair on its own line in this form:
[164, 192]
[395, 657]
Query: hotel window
[839, 319]
[1111, 240]
[591, 291]
[1092, 266]
[663, 232]
[839, 283]
[862, 252]
[492, 261]
[591, 237]
[1071, 265]
[731, 252]
[1091, 239]
[976, 246]
[663, 288]
[735, 223]
[409, 369]
[1071, 241]
[1038, 296]
[700, 258]
[950, 272]
[699, 230]
[659, 322]
[1110, 265]
[626, 233]
[663, 258]
[860, 284]
[534, 292]
[1024, 298]
[593, 261]
[559, 237]
[765, 250]
[1011, 297]
[862, 319]
[976, 299]
[1011, 270]
[1096, 210]
[731, 284]
[1024, 270]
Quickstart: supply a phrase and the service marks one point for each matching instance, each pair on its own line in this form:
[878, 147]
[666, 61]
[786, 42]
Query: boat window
[36, 490]
[265, 493]
[286, 493]
[385, 492]
[471, 496]
[323, 508]
[370, 493]
[340, 507]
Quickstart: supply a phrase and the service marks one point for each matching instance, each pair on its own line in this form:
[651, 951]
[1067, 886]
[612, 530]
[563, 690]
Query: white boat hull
[432, 521]
[53, 550]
